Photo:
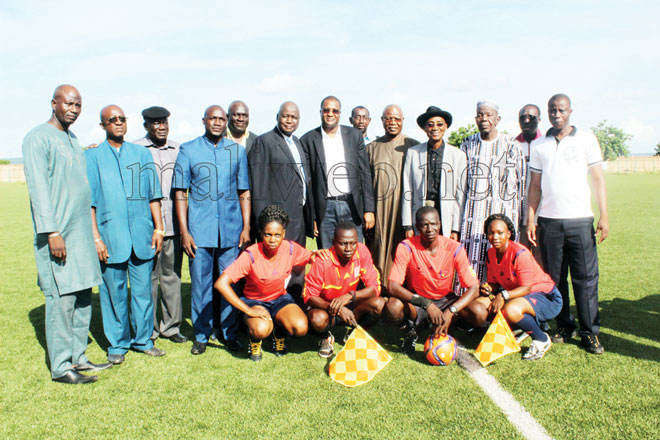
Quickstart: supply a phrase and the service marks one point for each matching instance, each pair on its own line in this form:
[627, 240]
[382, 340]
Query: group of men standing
[148, 202]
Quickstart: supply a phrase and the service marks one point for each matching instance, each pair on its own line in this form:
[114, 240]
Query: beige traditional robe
[386, 160]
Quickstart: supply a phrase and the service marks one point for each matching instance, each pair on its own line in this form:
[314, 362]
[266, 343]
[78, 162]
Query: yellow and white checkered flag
[497, 342]
[359, 361]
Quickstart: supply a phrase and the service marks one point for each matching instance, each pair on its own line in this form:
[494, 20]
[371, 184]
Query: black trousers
[570, 245]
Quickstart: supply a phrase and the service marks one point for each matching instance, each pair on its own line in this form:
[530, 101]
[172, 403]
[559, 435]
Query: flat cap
[155, 112]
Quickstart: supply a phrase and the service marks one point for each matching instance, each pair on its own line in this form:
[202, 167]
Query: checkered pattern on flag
[497, 342]
[359, 361]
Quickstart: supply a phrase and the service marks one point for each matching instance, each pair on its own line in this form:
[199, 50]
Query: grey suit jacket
[453, 185]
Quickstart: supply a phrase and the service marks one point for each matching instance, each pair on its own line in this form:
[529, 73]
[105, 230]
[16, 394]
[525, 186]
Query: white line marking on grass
[514, 411]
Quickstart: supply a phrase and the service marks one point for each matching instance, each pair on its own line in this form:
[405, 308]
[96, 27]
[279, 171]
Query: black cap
[155, 112]
[431, 112]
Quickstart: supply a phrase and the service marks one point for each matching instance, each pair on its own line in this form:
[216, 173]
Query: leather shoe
[198, 347]
[73, 377]
[234, 345]
[155, 352]
[116, 358]
[90, 366]
[178, 338]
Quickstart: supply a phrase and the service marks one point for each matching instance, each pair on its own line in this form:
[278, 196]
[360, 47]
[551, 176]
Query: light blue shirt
[123, 183]
[214, 175]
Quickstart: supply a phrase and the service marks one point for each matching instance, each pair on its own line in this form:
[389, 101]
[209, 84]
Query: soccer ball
[440, 350]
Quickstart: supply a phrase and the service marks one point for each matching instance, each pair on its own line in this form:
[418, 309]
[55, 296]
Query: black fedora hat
[431, 112]
[155, 112]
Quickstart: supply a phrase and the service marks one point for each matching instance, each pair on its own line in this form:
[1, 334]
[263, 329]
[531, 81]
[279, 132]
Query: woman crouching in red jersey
[266, 266]
[518, 286]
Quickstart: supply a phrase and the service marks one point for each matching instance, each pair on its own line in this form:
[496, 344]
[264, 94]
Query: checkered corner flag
[359, 361]
[497, 342]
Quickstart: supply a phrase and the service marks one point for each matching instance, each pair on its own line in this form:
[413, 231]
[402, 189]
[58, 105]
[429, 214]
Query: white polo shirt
[335, 161]
[564, 168]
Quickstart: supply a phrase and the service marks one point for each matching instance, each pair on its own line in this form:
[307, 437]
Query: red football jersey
[517, 268]
[329, 279]
[431, 276]
[266, 279]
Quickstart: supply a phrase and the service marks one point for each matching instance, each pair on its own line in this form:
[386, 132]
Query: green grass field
[219, 395]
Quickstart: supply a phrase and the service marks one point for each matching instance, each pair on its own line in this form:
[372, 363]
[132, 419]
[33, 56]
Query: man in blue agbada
[212, 203]
[125, 205]
[67, 267]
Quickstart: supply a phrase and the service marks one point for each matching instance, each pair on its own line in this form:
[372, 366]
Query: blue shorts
[546, 305]
[273, 306]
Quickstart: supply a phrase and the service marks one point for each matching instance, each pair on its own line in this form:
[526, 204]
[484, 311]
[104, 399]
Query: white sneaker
[325, 346]
[520, 335]
[537, 349]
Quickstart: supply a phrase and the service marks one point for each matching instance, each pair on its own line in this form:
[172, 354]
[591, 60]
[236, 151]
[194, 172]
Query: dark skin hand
[57, 247]
[181, 206]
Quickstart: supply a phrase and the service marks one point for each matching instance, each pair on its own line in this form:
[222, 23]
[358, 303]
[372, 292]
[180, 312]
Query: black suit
[275, 180]
[357, 164]
[250, 141]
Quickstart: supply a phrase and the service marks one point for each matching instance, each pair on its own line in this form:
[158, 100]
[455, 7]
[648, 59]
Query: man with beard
[434, 175]
[360, 119]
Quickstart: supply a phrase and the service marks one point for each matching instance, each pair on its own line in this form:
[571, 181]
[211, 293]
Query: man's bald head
[67, 105]
[113, 122]
[392, 108]
[215, 122]
[110, 109]
[65, 89]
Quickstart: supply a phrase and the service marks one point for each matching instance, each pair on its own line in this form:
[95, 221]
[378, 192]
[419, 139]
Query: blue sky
[188, 55]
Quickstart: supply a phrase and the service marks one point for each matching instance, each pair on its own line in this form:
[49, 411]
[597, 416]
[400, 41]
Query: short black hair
[272, 213]
[559, 96]
[344, 226]
[507, 221]
[423, 211]
[530, 105]
[331, 97]
[358, 108]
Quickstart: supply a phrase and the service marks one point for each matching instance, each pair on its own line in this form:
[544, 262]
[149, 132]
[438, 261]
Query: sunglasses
[114, 119]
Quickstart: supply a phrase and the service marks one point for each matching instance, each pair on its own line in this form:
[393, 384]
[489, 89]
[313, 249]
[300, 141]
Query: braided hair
[507, 221]
[272, 213]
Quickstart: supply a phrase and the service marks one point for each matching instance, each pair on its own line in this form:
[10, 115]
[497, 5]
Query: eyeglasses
[361, 118]
[432, 125]
[114, 119]
[531, 118]
[392, 119]
[334, 111]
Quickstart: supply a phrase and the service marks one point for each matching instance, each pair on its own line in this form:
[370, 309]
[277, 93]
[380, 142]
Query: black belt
[341, 198]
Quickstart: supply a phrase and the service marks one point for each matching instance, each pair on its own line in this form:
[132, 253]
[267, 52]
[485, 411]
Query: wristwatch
[453, 310]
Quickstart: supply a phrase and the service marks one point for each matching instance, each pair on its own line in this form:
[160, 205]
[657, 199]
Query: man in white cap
[496, 176]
